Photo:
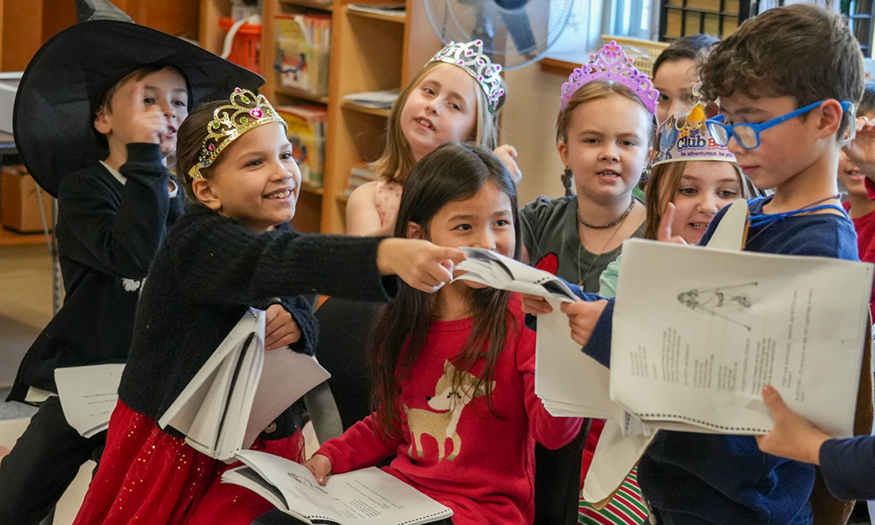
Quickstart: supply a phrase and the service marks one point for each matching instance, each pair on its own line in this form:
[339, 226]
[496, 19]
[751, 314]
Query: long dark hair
[452, 172]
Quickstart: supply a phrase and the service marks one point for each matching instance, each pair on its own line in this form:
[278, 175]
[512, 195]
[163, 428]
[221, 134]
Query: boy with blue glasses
[786, 83]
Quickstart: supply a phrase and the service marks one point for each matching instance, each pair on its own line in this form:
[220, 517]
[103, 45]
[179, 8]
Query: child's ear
[563, 152]
[830, 117]
[204, 193]
[101, 122]
[414, 231]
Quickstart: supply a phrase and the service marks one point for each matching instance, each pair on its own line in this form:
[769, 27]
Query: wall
[528, 122]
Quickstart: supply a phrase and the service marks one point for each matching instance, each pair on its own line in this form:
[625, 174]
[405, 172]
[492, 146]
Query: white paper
[497, 271]
[696, 345]
[363, 497]
[88, 395]
[375, 99]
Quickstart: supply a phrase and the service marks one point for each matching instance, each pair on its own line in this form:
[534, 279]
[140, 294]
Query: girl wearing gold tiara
[455, 97]
[220, 259]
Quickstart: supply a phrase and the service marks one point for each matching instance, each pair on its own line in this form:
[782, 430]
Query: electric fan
[514, 32]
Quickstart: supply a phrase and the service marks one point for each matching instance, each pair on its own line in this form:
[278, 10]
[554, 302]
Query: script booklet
[362, 497]
[240, 390]
[88, 395]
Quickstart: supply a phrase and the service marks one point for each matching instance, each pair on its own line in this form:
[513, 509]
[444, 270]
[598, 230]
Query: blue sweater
[705, 478]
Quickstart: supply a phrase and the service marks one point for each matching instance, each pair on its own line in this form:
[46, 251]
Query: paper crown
[470, 57]
[611, 63]
[245, 112]
[687, 138]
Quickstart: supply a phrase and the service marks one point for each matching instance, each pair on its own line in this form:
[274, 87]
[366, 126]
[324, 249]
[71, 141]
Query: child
[219, 260]
[96, 113]
[696, 178]
[455, 97]
[798, 55]
[471, 373]
[604, 131]
[675, 76]
[859, 205]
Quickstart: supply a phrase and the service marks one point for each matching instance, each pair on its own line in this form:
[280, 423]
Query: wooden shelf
[309, 188]
[342, 198]
[11, 238]
[399, 17]
[361, 108]
[322, 6]
[292, 92]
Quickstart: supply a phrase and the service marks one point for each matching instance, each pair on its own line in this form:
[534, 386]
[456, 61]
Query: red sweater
[453, 449]
[865, 227]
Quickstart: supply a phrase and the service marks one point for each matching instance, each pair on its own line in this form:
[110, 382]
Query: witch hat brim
[52, 117]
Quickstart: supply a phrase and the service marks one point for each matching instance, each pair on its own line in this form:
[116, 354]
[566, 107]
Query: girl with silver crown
[455, 97]
[232, 250]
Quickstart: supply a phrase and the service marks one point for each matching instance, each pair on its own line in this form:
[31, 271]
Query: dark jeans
[42, 464]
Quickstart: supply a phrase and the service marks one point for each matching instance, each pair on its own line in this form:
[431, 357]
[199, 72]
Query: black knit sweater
[107, 233]
[208, 272]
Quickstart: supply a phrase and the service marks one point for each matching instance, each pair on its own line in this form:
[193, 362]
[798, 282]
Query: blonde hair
[397, 160]
[663, 184]
[597, 90]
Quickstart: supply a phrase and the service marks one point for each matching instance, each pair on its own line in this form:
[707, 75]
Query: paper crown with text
[611, 63]
[470, 57]
[682, 138]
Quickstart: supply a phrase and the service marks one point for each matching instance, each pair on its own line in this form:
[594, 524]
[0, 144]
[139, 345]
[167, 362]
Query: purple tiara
[611, 63]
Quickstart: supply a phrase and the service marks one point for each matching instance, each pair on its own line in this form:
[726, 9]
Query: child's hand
[420, 264]
[280, 328]
[534, 305]
[664, 233]
[320, 466]
[861, 150]
[148, 123]
[582, 318]
[793, 436]
[508, 155]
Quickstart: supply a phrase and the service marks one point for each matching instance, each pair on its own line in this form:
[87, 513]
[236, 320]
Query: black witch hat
[54, 107]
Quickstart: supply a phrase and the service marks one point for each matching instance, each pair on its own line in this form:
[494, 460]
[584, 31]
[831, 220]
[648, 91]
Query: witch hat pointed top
[87, 10]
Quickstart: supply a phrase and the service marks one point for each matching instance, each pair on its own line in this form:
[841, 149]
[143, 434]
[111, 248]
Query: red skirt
[149, 477]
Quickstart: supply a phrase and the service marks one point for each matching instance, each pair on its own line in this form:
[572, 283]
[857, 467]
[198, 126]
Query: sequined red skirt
[149, 477]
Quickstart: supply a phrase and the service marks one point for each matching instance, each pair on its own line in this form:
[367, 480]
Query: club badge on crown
[245, 112]
[682, 138]
[470, 57]
[611, 63]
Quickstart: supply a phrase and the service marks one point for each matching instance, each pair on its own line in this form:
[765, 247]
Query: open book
[240, 390]
[363, 497]
[88, 395]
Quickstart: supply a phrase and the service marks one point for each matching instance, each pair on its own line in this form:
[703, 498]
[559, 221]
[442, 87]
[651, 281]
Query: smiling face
[256, 181]
[675, 81]
[165, 89]
[441, 108]
[704, 189]
[607, 146]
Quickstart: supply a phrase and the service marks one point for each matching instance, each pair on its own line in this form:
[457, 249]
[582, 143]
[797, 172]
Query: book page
[497, 271]
[286, 376]
[364, 497]
[88, 395]
[697, 344]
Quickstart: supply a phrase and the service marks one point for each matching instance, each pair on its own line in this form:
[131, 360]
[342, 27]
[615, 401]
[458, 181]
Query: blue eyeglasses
[748, 135]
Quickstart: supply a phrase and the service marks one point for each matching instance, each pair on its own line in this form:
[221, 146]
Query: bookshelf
[371, 50]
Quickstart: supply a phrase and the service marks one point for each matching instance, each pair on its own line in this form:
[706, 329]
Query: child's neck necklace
[611, 224]
[770, 218]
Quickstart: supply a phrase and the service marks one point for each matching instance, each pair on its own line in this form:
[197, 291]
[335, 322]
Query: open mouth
[608, 173]
[424, 122]
[281, 194]
[699, 225]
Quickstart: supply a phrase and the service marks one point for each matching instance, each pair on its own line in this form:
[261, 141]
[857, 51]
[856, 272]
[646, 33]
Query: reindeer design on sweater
[449, 401]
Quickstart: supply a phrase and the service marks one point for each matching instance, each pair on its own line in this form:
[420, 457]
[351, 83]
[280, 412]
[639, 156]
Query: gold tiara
[245, 112]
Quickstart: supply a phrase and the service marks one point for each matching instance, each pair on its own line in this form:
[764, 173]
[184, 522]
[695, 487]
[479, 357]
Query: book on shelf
[306, 130]
[362, 497]
[359, 174]
[303, 52]
[88, 395]
[375, 99]
[240, 390]
[389, 9]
